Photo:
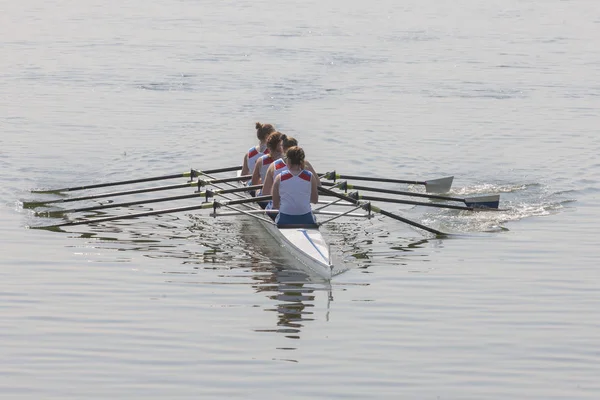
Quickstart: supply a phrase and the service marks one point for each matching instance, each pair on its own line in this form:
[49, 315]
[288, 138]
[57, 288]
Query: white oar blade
[441, 185]
[492, 201]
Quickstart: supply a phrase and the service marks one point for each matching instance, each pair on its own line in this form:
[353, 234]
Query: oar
[440, 185]
[420, 203]
[191, 174]
[213, 205]
[382, 212]
[199, 183]
[491, 201]
[34, 204]
[207, 194]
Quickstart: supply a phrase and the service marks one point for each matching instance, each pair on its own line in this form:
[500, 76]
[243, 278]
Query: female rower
[275, 151]
[262, 132]
[294, 190]
[278, 166]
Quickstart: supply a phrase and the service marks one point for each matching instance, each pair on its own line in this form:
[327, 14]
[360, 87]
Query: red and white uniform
[253, 155]
[264, 161]
[280, 167]
[294, 193]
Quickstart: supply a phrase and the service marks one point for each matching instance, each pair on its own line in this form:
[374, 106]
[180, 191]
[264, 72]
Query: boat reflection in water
[295, 301]
[299, 297]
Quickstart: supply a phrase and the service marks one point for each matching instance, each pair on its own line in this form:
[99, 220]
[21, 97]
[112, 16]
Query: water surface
[503, 96]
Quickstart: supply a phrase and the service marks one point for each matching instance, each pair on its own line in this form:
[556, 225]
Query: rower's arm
[275, 193]
[245, 169]
[256, 173]
[268, 183]
[312, 171]
[314, 189]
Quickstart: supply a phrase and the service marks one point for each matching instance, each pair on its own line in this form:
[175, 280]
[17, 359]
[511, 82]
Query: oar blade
[33, 204]
[440, 185]
[49, 191]
[491, 201]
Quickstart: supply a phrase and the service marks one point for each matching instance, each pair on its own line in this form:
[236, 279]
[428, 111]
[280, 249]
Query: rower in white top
[262, 133]
[278, 166]
[294, 190]
[275, 148]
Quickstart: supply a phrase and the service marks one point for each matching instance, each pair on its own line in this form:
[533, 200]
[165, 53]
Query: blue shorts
[287, 219]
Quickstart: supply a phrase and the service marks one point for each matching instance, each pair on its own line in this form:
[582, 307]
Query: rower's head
[275, 142]
[288, 142]
[263, 131]
[295, 156]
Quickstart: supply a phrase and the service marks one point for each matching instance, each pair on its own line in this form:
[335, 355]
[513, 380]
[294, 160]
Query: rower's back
[254, 153]
[294, 190]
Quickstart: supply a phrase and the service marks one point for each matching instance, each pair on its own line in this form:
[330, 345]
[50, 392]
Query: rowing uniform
[254, 154]
[263, 162]
[280, 167]
[294, 203]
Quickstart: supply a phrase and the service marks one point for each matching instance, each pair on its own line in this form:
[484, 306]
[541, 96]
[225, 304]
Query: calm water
[502, 95]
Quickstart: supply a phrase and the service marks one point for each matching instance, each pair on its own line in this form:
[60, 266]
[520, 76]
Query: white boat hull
[305, 245]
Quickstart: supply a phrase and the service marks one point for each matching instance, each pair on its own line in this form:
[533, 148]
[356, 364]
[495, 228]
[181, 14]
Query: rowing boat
[304, 243]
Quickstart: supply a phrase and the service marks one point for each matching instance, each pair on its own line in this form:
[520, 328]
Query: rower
[274, 151]
[262, 132]
[294, 190]
[278, 166]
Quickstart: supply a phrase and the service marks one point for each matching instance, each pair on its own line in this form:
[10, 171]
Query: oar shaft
[225, 180]
[128, 182]
[398, 192]
[34, 204]
[218, 170]
[125, 204]
[192, 173]
[416, 203]
[440, 185]
[130, 216]
[214, 204]
[124, 193]
[407, 221]
[157, 200]
[374, 179]
[383, 212]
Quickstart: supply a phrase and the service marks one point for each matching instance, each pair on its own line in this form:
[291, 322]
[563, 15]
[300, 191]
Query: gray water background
[503, 95]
